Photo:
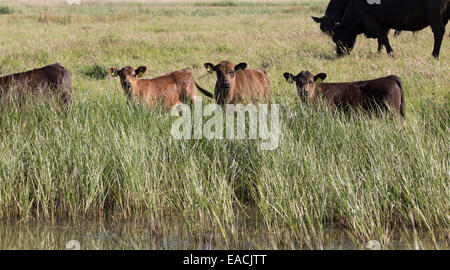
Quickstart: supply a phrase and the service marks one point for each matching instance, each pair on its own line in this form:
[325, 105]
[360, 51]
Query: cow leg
[380, 46]
[438, 32]
[384, 40]
[381, 34]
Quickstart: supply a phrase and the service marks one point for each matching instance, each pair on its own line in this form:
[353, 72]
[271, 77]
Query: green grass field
[371, 178]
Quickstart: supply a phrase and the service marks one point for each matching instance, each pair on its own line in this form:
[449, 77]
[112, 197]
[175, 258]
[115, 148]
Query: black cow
[333, 16]
[374, 18]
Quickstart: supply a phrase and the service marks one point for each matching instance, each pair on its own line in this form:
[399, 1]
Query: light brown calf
[237, 84]
[168, 90]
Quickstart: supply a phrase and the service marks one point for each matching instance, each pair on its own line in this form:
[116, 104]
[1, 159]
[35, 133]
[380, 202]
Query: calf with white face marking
[236, 83]
[168, 90]
[381, 93]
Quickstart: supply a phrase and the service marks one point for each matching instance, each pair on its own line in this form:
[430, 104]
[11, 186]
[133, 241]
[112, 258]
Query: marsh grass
[371, 177]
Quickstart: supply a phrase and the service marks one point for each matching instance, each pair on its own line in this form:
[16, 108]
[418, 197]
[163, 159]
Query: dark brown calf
[384, 93]
[168, 90]
[237, 84]
[51, 79]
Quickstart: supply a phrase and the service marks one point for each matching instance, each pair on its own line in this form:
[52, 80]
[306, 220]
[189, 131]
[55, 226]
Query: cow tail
[205, 92]
[402, 101]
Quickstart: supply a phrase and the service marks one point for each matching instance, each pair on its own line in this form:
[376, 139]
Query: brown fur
[245, 85]
[46, 80]
[167, 90]
[386, 92]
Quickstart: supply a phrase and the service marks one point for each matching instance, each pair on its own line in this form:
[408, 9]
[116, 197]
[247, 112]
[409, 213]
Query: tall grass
[107, 159]
[375, 178]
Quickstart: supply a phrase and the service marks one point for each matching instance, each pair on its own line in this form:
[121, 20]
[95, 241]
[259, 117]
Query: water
[114, 235]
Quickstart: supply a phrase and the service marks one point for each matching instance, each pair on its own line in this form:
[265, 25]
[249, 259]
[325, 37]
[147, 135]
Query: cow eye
[232, 74]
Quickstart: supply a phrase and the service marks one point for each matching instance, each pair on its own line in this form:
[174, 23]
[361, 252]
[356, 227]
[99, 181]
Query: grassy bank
[372, 177]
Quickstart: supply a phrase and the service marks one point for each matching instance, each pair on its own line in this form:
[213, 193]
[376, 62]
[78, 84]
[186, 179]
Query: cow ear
[113, 71]
[240, 67]
[289, 77]
[209, 67]
[140, 71]
[316, 19]
[320, 77]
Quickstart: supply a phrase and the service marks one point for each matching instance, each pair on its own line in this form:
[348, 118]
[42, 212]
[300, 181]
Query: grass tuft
[95, 72]
[6, 10]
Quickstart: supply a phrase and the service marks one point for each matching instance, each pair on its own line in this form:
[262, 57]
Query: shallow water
[106, 236]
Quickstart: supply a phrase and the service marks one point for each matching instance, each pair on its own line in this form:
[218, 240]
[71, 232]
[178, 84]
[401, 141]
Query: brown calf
[237, 84]
[168, 90]
[51, 79]
[384, 93]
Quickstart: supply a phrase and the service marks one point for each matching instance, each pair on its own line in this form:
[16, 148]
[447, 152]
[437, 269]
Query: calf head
[128, 76]
[226, 76]
[306, 82]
